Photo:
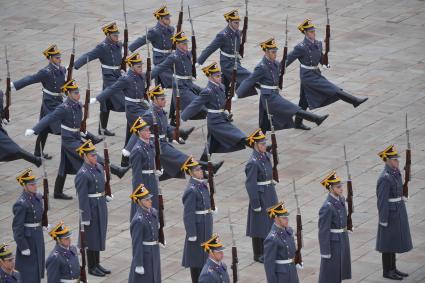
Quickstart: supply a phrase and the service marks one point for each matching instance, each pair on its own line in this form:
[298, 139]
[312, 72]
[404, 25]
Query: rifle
[274, 145]
[148, 68]
[177, 129]
[298, 258]
[349, 194]
[285, 55]
[408, 164]
[193, 45]
[8, 89]
[71, 60]
[125, 43]
[44, 218]
[244, 30]
[328, 36]
[83, 125]
[83, 274]
[106, 166]
[235, 259]
[232, 87]
[161, 236]
[179, 22]
[210, 174]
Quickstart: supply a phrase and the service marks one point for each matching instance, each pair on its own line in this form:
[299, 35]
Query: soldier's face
[138, 68]
[272, 54]
[282, 221]
[75, 95]
[146, 203]
[217, 255]
[394, 163]
[197, 173]
[262, 147]
[7, 264]
[91, 159]
[31, 187]
[65, 242]
[183, 46]
[311, 34]
[160, 101]
[234, 25]
[114, 37]
[145, 133]
[338, 190]
[56, 60]
[216, 78]
[166, 21]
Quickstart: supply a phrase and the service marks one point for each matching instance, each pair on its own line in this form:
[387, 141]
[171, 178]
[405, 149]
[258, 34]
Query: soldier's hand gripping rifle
[232, 87]
[407, 165]
[210, 173]
[177, 108]
[325, 59]
[44, 218]
[349, 194]
[193, 45]
[298, 258]
[125, 42]
[244, 30]
[71, 59]
[83, 125]
[148, 68]
[274, 145]
[235, 259]
[285, 55]
[106, 167]
[179, 22]
[83, 274]
[6, 111]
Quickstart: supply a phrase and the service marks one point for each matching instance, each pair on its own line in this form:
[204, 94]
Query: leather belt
[32, 225]
[111, 67]
[394, 199]
[183, 77]
[269, 86]
[148, 171]
[339, 230]
[52, 93]
[161, 50]
[70, 129]
[159, 136]
[309, 67]
[229, 55]
[269, 182]
[96, 195]
[202, 212]
[284, 261]
[215, 110]
[153, 243]
[69, 281]
[136, 100]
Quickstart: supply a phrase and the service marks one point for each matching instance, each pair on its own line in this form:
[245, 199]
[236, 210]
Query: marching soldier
[27, 230]
[315, 91]
[223, 136]
[160, 37]
[52, 77]
[198, 219]
[9, 150]
[146, 263]
[8, 274]
[225, 41]
[393, 228]
[90, 185]
[69, 114]
[62, 265]
[261, 191]
[266, 73]
[109, 53]
[279, 248]
[214, 270]
[335, 264]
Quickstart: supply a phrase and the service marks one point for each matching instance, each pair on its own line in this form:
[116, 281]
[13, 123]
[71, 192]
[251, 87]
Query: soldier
[146, 263]
[226, 40]
[9, 150]
[27, 230]
[315, 91]
[197, 217]
[393, 228]
[279, 248]
[52, 77]
[335, 264]
[62, 265]
[266, 73]
[109, 53]
[160, 37]
[261, 191]
[8, 274]
[70, 114]
[90, 185]
[223, 136]
[214, 270]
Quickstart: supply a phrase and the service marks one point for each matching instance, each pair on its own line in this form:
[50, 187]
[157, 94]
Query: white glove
[300, 266]
[325, 256]
[122, 72]
[215, 211]
[258, 209]
[197, 65]
[93, 100]
[83, 134]
[12, 86]
[125, 152]
[87, 223]
[109, 198]
[192, 239]
[46, 228]
[162, 245]
[405, 198]
[29, 132]
[26, 252]
[159, 173]
[235, 98]
[383, 224]
[4, 121]
[327, 67]
[139, 270]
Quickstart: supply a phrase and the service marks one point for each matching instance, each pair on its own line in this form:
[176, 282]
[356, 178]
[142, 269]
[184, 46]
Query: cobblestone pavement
[376, 52]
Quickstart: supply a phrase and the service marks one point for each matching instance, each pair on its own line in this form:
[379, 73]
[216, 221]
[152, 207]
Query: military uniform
[214, 272]
[63, 263]
[8, 277]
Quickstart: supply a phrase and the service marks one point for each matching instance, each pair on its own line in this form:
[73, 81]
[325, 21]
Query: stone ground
[376, 52]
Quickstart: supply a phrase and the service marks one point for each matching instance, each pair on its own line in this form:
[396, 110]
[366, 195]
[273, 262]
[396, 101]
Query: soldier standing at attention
[27, 230]
[160, 38]
[197, 218]
[146, 263]
[90, 185]
[335, 264]
[62, 265]
[393, 228]
[315, 91]
[52, 78]
[8, 274]
[214, 270]
[109, 53]
[279, 248]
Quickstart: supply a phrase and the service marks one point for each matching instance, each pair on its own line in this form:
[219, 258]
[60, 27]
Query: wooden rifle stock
[298, 257]
[83, 126]
[211, 183]
[193, 56]
[325, 60]
[275, 157]
[407, 173]
[283, 66]
[350, 205]
[83, 274]
[6, 111]
[71, 59]
[125, 47]
[235, 262]
[161, 236]
[232, 87]
[179, 22]
[106, 167]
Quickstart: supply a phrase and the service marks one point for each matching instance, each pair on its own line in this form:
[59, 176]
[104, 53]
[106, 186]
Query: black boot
[387, 267]
[311, 117]
[58, 192]
[194, 274]
[118, 171]
[97, 257]
[125, 161]
[204, 156]
[92, 264]
[256, 248]
[355, 101]
[394, 267]
[299, 124]
[104, 117]
[30, 157]
[93, 138]
[216, 165]
[184, 134]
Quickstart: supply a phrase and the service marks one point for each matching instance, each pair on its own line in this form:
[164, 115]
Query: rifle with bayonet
[177, 108]
[125, 43]
[349, 194]
[106, 166]
[274, 144]
[298, 258]
[285, 55]
[44, 218]
[83, 274]
[148, 68]
[325, 59]
[83, 125]
[210, 173]
[71, 59]
[232, 86]
[179, 22]
[6, 111]
[235, 259]
[193, 45]
[408, 164]
[244, 30]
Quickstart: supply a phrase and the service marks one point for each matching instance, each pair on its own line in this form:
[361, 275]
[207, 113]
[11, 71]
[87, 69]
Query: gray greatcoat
[62, 263]
[214, 272]
[15, 277]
